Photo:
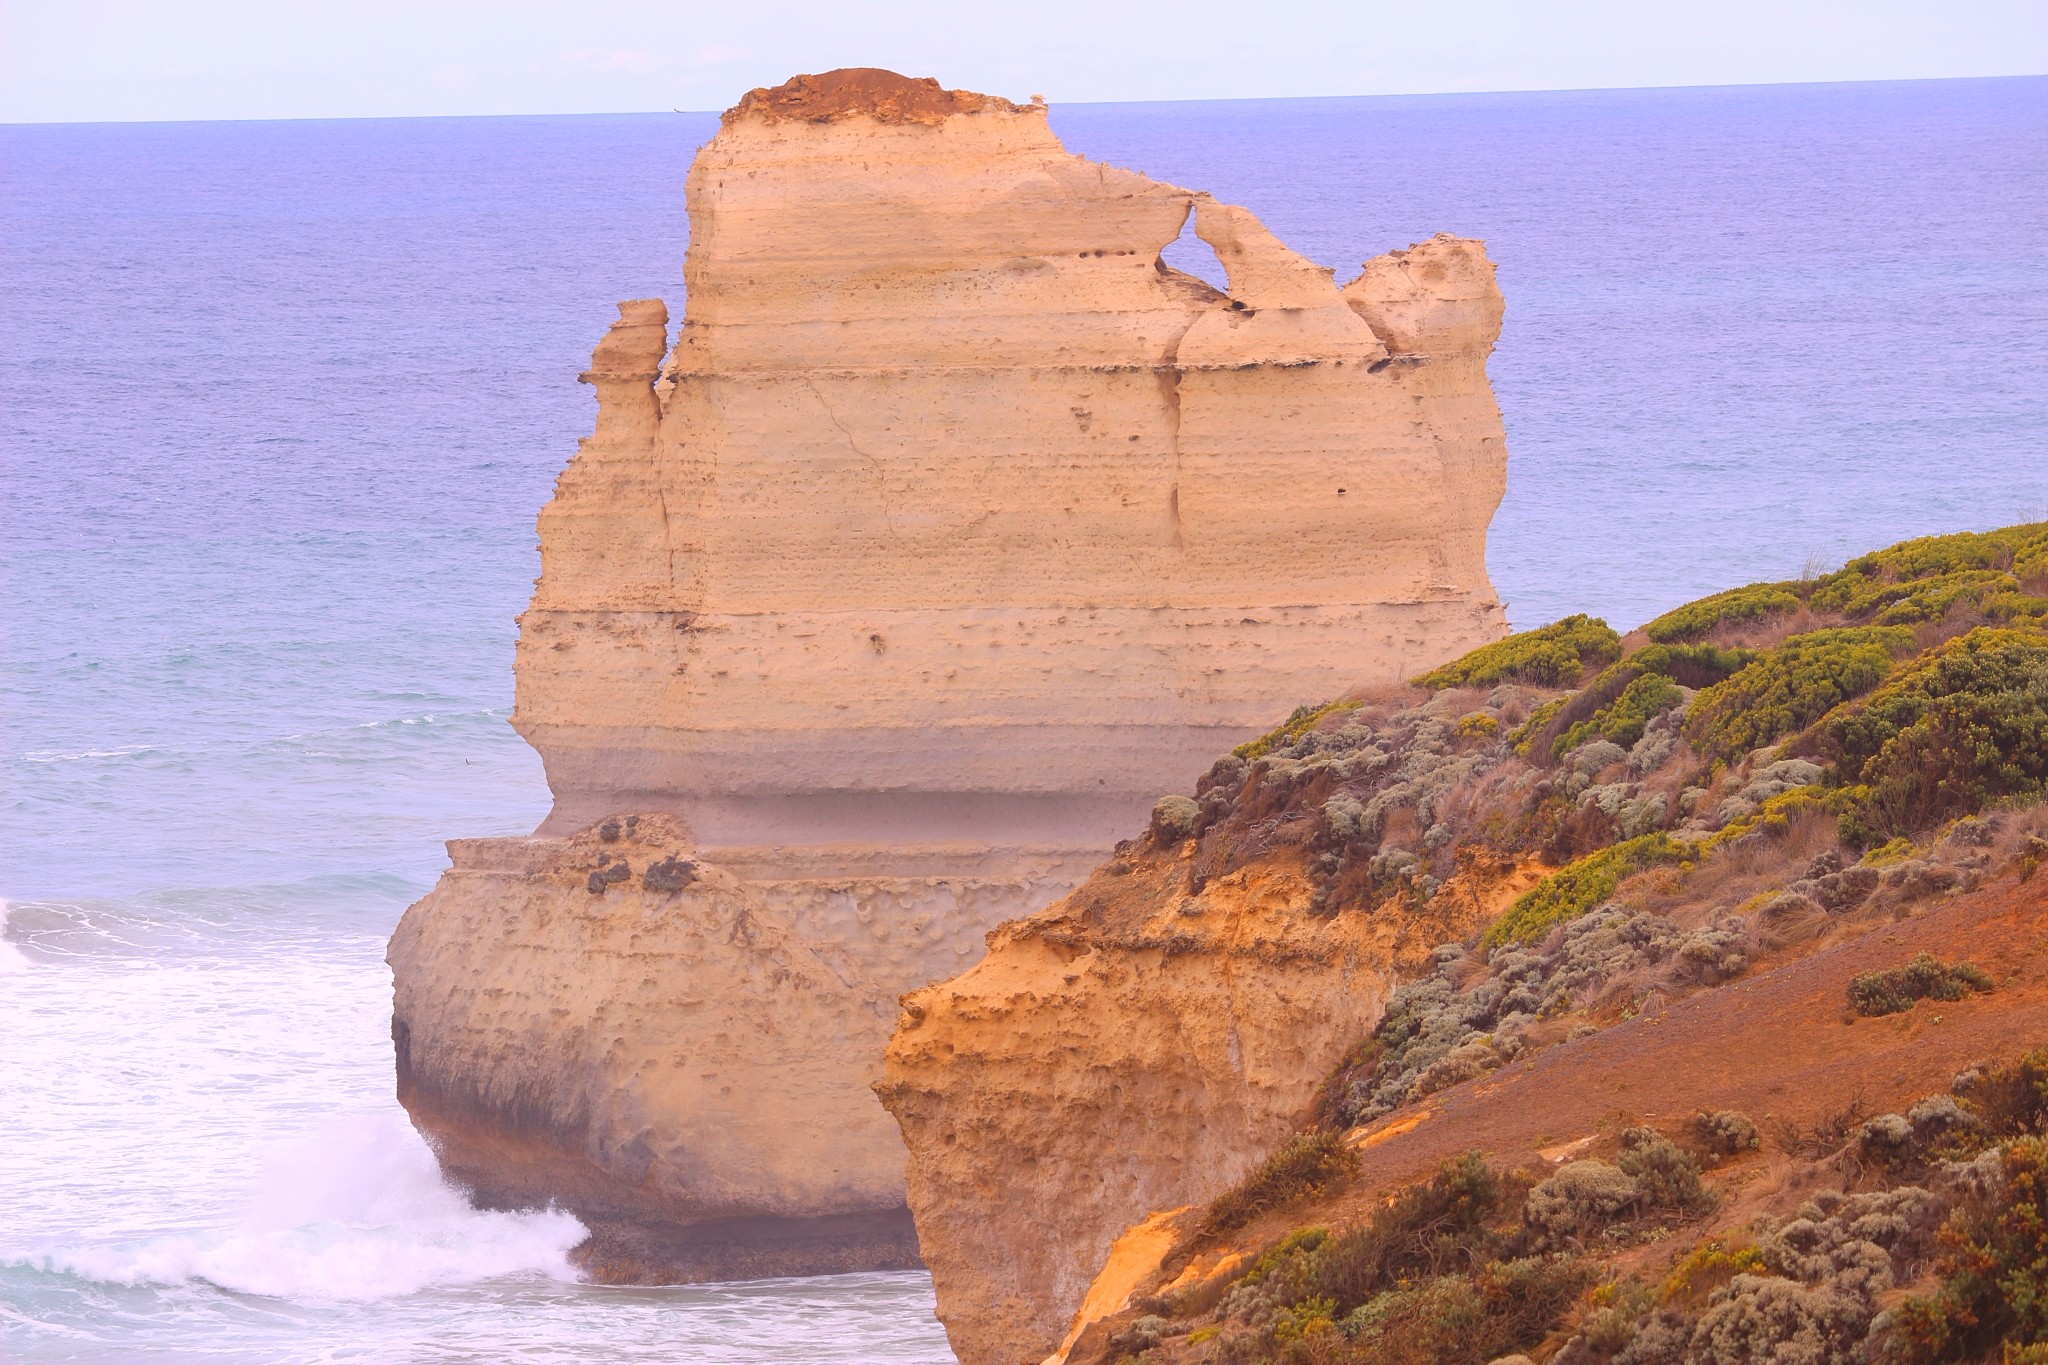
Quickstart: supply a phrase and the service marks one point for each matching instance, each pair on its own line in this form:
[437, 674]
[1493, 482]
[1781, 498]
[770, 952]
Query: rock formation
[1135, 1048]
[954, 527]
[1568, 884]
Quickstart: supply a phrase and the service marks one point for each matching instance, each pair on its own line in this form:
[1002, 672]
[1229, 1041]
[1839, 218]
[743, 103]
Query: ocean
[282, 399]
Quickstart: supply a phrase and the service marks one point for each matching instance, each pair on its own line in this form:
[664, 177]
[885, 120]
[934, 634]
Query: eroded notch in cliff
[1188, 256]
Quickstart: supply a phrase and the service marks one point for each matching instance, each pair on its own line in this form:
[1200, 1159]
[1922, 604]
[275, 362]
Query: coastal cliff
[950, 529]
[1560, 903]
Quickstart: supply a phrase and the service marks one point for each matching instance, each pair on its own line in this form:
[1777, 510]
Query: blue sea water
[280, 403]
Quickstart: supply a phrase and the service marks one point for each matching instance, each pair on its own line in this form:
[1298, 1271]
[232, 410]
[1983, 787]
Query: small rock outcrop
[951, 529]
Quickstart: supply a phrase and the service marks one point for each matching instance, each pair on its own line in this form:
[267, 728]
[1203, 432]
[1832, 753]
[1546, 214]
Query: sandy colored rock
[1131, 1049]
[951, 530]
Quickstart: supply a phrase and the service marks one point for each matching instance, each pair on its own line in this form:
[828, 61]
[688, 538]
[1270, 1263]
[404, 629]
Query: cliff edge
[951, 527]
[1560, 903]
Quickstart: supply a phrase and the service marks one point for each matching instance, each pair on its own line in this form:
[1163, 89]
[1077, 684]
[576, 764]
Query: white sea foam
[57, 756]
[354, 1211]
[12, 959]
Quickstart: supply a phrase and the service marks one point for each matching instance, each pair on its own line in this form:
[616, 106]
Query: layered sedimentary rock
[952, 528]
[1133, 1049]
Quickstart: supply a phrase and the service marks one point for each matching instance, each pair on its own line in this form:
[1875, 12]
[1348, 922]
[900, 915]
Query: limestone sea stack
[953, 528]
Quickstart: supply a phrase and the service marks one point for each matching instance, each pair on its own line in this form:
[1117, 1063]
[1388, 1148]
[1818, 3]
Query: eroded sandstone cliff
[953, 527]
[1562, 891]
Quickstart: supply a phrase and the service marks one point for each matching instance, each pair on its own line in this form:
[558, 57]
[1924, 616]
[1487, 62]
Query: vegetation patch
[1792, 685]
[1306, 1166]
[1304, 719]
[1964, 725]
[1581, 885]
[1551, 656]
[1924, 599]
[1751, 603]
[1931, 555]
[1774, 817]
[1438, 1277]
[1874, 994]
[1623, 720]
[1692, 665]
[1992, 1266]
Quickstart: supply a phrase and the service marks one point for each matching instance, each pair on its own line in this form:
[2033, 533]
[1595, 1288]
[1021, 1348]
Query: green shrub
[1751, 603]
[1551, 656]
[1791, 686]
[1305, 1166]
[1692, 665]
[1478, 725]
[1873, 994]
[1775, 816]
[1462, 1319]
[1724, 1132]
[1965, 724]
[1525, 736]
[2018, 608]
[1581, 885]
[1666, 1175]
[1920, 599]
[1992, 1269]
[1624, 719]
[2010, 1100]
[1304, 719]
[1422, 1282]
[1443, 1223]
[1932, 555]
[1921, 580]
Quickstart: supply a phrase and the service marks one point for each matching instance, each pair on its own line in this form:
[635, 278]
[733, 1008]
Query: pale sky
[77, 60]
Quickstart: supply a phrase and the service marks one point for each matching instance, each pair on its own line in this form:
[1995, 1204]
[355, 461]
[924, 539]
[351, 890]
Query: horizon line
[1059, 104]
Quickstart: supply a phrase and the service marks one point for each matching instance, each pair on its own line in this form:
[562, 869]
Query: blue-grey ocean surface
[281, 401]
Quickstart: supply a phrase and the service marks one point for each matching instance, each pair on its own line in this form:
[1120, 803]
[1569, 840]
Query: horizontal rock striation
[952, 528]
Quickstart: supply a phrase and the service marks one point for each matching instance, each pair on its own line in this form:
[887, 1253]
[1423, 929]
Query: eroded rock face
[953, 528]
[1135, 1048]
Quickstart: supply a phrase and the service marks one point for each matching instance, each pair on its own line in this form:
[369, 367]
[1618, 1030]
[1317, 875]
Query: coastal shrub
[1921, 580]
[1724, 1132]
[1706, 1268]
[1964, 724]
[1174, 818]
[1451, 1024]
[1307, 1165]
[1792, 685]
[1873, 994]
[1578, 886]
[1692, 665]
[1929, 556]
[1667, 1176]
[1751, 603]
[1478, 725]
[2016, 608]
[1525, 736]
[1448, 1222]
[1422, 1282]
[1922, 599]
[670, 875]
[1549, 656]
[2010, 1100]
[1581, 1199]
[1461, 1319]
[608, 876]
[1651, 1176]
[1304, 719]
[1991, 1267]
[1774, 816]
[1623, 720]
